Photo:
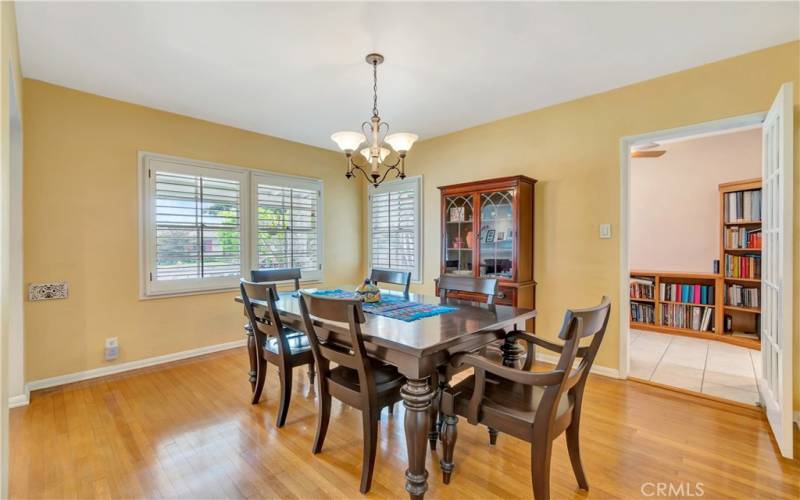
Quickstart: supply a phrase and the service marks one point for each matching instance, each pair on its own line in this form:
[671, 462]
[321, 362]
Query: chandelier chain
[374, 88]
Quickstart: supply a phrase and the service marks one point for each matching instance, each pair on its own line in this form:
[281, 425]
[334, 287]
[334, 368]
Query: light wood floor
[187, 430]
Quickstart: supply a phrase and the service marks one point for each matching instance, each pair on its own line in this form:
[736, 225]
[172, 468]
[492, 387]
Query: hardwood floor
[187, 429]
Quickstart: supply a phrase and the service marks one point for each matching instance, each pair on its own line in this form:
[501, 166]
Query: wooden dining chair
[274, 343]
[394, 277]
[358, 381]
[277, 275]
[533, 406]
[486, 287]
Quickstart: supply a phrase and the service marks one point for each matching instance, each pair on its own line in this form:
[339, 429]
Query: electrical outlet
[605, 231]
[112, 348]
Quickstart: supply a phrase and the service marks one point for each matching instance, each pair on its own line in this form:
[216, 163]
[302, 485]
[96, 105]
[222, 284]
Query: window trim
[417, 276]
[247, 177]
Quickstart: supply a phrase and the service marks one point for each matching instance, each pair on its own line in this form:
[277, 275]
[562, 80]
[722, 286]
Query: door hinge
[151, 276]
[149, 173]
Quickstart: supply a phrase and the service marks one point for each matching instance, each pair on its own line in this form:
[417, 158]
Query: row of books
[742, 237]
[687, 293]
[739, 296]
[743, 205]
[643, 313]
[642, 288]
[686, 316]
[743, 266]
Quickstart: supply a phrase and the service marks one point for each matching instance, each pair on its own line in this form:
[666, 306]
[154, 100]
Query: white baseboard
[20, 400]
[596, 369]
[124, 367]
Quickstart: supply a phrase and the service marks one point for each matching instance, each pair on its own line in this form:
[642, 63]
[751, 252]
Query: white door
[775, 382]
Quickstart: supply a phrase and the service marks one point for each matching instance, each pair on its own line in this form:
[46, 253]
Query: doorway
[703, 309]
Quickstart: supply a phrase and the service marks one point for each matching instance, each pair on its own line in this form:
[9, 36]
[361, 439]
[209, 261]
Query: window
[287, 223]
[394, 224]
[201, 232]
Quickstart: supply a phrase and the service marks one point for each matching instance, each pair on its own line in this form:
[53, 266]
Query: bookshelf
[735, 306]
[740, 256]
[664, 301]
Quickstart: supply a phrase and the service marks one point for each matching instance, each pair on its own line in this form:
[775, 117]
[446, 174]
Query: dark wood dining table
[418, 348]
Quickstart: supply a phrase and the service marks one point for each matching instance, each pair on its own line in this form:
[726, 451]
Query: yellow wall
[9, 55]
[573, 150]
[81, 214]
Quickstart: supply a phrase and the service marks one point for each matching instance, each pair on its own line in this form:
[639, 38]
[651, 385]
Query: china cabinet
[487, 232]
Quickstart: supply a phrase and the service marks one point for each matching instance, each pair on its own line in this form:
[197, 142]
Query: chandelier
[380, 145]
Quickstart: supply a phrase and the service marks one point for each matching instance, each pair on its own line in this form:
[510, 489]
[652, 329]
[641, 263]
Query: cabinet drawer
[506, 295]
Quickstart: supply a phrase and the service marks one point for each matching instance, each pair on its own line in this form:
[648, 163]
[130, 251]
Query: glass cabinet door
[458, 238]
[497, 235]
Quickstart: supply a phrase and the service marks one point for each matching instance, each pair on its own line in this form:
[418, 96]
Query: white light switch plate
[605, 231]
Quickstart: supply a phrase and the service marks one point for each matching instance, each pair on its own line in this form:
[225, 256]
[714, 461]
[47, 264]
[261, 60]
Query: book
[741, 296]
[643, 313]
[736, 237]
[687, 293]
[687, 316]
[743, 266]
[642, 288]
[743, 206]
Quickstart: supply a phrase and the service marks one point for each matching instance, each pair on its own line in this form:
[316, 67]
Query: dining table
[418, 349]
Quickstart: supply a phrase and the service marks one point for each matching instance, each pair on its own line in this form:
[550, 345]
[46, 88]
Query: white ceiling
[297, 70]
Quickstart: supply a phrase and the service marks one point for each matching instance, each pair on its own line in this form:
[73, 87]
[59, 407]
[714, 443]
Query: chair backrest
[579, 324]
[269, 324]
[483, 286]
[352, 354]
[394, 277]
[277, 275]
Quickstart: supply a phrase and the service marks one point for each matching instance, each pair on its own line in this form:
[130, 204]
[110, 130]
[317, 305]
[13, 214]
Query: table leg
[513, 353]
[417, 396]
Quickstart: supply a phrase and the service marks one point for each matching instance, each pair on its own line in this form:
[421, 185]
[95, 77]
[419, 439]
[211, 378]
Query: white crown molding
[122, 367]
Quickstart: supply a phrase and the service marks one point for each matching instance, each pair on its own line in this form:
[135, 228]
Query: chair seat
[504, 399]
[386, 376]
[298, 342]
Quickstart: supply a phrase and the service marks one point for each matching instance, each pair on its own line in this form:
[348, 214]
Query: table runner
[391, 306]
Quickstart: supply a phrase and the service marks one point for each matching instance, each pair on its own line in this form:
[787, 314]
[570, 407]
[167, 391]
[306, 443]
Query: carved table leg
[513, 353]
[251, 351]
[417, 396]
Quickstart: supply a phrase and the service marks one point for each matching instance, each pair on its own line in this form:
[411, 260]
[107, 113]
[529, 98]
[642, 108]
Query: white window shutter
[198, 232]
[395, 227]
[288, 228]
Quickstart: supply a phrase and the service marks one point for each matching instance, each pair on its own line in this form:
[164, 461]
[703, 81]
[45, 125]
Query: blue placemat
[390, 306]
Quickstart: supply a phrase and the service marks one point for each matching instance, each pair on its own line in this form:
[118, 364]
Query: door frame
[714, 127]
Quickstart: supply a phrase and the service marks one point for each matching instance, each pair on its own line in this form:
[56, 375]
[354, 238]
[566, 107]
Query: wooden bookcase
[487, 232]
[744, 319]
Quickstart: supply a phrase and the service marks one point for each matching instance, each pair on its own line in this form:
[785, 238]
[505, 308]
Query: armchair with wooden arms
[536, 407]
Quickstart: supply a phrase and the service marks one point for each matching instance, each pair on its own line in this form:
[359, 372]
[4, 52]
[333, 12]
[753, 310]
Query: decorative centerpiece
[368, 292]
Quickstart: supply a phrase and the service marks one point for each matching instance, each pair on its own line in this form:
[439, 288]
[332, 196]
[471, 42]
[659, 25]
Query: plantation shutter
[394, 228]
[287, 226]
[198, 231]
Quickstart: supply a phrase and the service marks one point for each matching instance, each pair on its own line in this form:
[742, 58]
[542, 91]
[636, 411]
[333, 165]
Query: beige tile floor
[699, 365]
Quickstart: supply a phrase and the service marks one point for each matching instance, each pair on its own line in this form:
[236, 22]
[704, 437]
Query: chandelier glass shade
[380, 144]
